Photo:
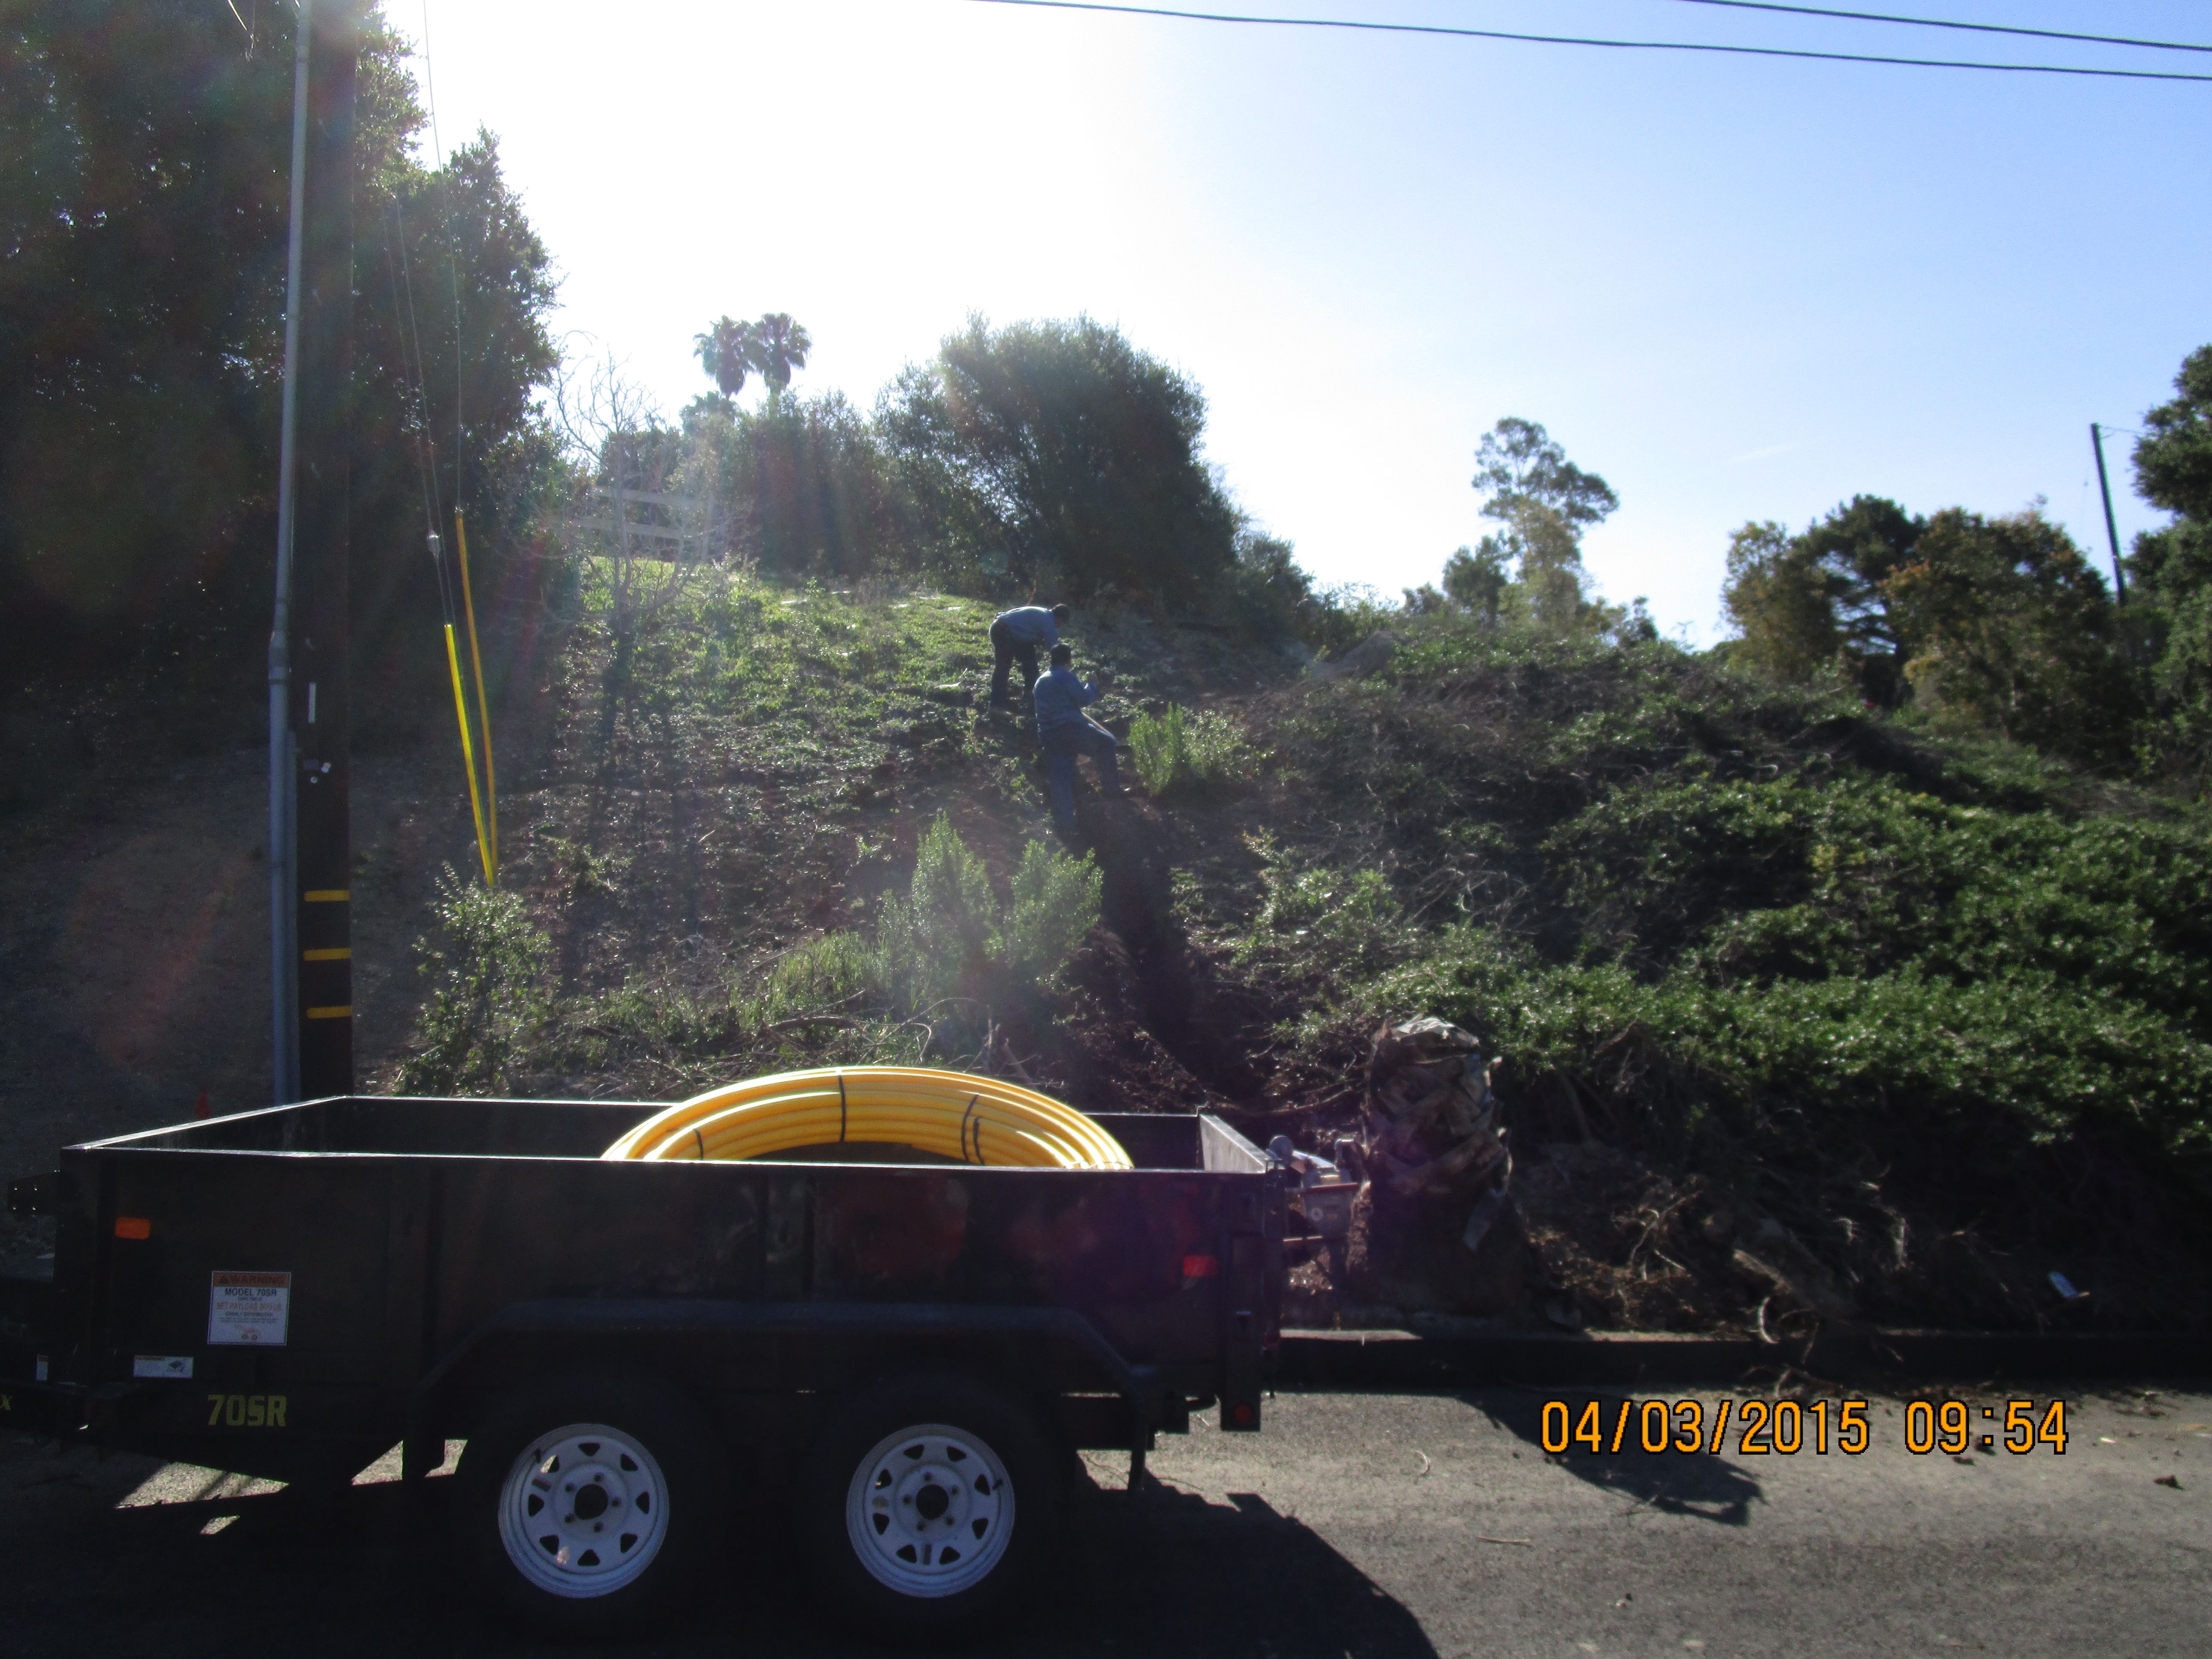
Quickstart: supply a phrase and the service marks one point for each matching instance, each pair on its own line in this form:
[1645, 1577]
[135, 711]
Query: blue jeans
[1006, 651]
[1062, 744]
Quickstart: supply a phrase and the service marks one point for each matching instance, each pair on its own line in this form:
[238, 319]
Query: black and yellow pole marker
[490, 820]
[320, 720]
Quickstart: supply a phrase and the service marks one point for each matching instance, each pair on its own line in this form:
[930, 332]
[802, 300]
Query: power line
[430, 89]
[1587, 41]
[1948, 23]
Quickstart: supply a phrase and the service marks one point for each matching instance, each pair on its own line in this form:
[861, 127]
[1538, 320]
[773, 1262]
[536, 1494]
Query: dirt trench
[1181, 1003]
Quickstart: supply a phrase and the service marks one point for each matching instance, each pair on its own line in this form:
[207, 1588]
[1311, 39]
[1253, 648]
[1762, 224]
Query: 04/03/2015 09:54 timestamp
[1756, 1428]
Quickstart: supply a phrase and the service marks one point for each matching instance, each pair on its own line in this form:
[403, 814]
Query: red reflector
[1201, 1266]
[133, 1226]
[1241, 1412]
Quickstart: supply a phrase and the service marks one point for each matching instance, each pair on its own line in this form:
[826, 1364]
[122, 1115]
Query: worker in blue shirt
[1066, 732]
[1022, 633]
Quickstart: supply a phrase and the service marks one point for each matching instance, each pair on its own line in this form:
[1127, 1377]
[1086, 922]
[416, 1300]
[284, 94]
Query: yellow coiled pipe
[957, 1114]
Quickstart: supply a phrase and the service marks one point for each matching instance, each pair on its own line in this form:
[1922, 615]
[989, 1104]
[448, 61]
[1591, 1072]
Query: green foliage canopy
[144, 157]
[1545, 502]
[1984, 625]
[1055, 456]
[2172, 568]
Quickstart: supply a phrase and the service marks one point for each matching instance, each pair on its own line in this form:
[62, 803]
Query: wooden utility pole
[308, 647]
[2112, 530]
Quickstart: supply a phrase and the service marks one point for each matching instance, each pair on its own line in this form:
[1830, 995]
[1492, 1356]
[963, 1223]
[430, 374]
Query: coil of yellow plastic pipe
[955, 1115]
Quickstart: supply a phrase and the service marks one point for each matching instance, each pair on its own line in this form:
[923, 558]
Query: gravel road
[1395, 1526]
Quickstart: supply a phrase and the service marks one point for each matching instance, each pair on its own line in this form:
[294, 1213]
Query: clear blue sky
[1739, 288]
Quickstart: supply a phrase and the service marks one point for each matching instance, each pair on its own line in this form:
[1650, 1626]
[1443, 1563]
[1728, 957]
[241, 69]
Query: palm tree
[780, 345]
[728, 350]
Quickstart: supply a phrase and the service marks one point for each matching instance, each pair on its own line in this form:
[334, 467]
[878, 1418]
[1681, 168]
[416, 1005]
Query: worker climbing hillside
[1020, 634]
[1065, 732]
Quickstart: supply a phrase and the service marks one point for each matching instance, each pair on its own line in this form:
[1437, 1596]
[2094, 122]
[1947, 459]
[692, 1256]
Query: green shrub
[951, 938]
[488, 1000]
[583, 871]
[1055, 903]
[835, 971]
[1157, 745]
[1322, 920]
[2012, 1061]
[943, 933]
[1193, 753]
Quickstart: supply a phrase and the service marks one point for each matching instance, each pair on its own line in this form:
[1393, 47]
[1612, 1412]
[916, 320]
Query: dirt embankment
[134, 921]
[764, 776]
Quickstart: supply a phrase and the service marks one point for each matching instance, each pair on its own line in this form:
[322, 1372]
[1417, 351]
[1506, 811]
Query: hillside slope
[1799, 1016]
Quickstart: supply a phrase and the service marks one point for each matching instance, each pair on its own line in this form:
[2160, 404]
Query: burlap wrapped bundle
[1432, 1120]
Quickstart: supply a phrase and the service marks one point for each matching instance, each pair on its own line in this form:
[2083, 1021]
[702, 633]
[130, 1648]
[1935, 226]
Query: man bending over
[1021, 633]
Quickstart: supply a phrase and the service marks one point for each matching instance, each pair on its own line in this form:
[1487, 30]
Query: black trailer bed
[308, 1283]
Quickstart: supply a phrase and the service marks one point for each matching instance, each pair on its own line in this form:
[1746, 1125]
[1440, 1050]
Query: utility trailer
[896, 1357]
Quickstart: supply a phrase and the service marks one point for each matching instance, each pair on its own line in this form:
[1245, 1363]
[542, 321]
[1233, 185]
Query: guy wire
[425, 465]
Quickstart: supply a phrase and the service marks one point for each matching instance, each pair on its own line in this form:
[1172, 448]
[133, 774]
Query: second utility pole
[2111, 531]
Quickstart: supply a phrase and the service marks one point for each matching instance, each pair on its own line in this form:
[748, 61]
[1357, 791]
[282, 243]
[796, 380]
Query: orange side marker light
[133, 1226]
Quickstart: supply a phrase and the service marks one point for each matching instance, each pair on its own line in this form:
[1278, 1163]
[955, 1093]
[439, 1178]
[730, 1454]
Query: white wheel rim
[930, 1510]
[584, 1510]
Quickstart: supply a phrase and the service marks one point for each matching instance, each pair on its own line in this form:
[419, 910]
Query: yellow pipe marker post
[483, 704]
[468, 753]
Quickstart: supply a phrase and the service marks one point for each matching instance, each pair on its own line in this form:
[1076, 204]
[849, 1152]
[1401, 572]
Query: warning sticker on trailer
[248, 1309]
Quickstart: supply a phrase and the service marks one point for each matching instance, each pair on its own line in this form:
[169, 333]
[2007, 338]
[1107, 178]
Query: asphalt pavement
[1383, 1527]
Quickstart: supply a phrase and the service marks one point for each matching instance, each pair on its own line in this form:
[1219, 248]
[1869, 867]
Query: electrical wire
[954, 1115]
[1591, 40]
[485, 811]
[486, 828]
[411, 367]
[1950, 23]
[452, 251]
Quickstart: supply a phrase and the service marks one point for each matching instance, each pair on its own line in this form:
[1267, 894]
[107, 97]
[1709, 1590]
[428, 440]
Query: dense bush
[487, 1001]
[1176, 750]
[1721, 906]
[951, 939]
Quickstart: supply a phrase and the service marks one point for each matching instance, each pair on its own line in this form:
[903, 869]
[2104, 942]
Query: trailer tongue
[905, 1351]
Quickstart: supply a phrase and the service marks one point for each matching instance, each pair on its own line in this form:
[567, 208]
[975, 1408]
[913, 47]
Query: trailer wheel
[588, 1502]
[926, 1506]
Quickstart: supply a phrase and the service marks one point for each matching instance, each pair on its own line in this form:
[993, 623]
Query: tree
[2170, 570]
[728, 351]
[2006, 627]
[1998, 625]
[1781, 601]
[1545, 502]
[1804, 603]
[144, 161]
[781, 346]
[468, 428]
[1518, 463]
[2173, 458]
[1056, 457]
[1478, 581]
[818, 492]
[615, 440]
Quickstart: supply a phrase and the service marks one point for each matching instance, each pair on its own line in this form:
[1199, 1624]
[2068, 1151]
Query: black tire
[654, 1469]
[906, 1585]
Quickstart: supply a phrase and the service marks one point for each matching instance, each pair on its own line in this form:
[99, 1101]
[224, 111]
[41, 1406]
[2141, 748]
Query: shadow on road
[1165, 1572]
[1696, 1484]
[363, 1570]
